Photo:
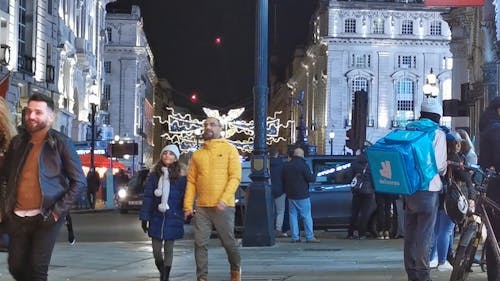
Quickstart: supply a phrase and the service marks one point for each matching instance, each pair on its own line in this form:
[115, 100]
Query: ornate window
[407, 61]
[107, 66]
[361, 60]
[378, 26]
[350, 26]
[405, 94]
[436, 28]
[407, 27]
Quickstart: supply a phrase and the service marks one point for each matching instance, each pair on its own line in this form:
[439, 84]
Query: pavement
[334, 258]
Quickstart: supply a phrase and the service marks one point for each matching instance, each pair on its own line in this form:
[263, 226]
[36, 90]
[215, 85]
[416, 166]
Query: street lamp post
[259, 220]
[332, 136]
[93, 101]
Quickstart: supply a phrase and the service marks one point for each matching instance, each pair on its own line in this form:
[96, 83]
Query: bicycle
[472, 232]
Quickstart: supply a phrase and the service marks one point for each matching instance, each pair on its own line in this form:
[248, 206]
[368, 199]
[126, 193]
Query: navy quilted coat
[168, 225]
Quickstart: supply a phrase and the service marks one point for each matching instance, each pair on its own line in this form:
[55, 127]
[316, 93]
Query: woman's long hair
[466, 142]
[7, 129]
[174, 170]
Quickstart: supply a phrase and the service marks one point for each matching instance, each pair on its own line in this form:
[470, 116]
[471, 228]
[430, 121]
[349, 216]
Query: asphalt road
[105, 226]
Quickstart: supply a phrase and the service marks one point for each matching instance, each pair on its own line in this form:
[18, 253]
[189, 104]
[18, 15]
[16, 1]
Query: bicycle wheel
[463, 260]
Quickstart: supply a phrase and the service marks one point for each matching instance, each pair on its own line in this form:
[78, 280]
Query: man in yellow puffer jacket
[213, 177]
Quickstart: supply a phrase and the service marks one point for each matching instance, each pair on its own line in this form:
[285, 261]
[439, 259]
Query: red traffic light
[194, 97]
[218, 41]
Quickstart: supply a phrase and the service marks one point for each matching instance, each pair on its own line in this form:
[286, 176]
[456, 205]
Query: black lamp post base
[259, 218]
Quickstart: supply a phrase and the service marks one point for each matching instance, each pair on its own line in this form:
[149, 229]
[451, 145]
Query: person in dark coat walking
[162, 215]
[489, 156]
[296, 178]
[44, 178]
[93, 183]
[276, 169]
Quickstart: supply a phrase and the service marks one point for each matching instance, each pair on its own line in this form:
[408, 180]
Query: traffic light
[349, 138]
[218, 41]
[357, 134]
[194, 98]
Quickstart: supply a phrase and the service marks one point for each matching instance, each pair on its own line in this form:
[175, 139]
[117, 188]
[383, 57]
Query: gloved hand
[144, 225]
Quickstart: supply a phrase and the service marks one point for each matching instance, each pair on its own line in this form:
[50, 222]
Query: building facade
[54, 47]
[384, 48]
[130, 82]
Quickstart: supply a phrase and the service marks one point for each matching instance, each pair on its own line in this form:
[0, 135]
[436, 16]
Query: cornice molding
[388, 42]
[386, 14]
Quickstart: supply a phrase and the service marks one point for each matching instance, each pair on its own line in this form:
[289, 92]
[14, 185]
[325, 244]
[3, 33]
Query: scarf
[163, 190]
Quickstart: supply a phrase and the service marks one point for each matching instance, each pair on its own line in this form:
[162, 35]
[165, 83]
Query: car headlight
[122, 193]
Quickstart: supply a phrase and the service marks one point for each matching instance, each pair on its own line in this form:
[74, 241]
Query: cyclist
[490, 157]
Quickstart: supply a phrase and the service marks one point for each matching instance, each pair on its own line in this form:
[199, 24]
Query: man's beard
[33, 126]
[208, 135]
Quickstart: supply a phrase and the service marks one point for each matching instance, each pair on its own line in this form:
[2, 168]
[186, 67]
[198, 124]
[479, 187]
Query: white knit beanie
[431, 105]
[172, 148]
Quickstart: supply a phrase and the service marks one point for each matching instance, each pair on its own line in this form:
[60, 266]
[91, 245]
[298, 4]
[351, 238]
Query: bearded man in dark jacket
[296, 179]
[44, 178]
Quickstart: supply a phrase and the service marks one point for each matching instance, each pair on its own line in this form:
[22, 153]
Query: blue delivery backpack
[403, 161]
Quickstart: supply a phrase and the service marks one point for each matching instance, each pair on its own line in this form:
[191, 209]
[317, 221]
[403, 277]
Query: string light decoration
[184, 130]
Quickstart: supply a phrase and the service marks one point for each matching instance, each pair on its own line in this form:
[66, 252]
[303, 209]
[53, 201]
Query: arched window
[405, 93]
[357, 84]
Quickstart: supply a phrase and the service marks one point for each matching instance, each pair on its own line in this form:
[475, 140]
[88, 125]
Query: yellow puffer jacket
[214, 174]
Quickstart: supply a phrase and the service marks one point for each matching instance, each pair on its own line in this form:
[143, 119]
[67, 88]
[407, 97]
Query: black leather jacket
[60, 173]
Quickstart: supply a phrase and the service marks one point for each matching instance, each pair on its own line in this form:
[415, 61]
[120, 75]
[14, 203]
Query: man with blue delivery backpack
[422, 206]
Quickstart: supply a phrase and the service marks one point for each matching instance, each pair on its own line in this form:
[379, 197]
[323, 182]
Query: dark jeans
[420, 218]
[31, 245]
[91, 199]
[491, 262]
[360, 213]
[384, 216]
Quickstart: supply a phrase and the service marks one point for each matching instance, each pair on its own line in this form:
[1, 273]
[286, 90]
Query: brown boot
[236, 274]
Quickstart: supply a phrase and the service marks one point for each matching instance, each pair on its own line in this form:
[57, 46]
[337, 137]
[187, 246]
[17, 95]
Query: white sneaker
[433, 263]
[446, 266]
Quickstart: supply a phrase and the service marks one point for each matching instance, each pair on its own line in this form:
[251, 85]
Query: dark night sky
[181, 34]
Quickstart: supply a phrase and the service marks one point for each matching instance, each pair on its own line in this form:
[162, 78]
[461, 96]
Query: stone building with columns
[54, 47]
[130, 82]
[384, 48]
[475, 48]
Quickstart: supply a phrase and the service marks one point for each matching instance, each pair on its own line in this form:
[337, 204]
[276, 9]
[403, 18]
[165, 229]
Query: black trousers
[31, 245]
[91, 199]
[360, 213]
[384, 216]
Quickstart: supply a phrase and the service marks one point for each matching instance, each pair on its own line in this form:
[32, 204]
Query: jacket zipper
[45, 215]
[163, 224]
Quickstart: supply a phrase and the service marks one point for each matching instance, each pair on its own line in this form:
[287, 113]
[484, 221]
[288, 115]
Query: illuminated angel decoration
[185, 131]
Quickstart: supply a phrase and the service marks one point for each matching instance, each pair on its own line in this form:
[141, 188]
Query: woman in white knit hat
[162, 214]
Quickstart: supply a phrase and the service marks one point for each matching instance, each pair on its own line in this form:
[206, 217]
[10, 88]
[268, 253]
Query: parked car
[330, 194]
[130, 197]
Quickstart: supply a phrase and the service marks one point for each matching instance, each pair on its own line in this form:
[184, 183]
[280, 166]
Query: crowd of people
[45, 177]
